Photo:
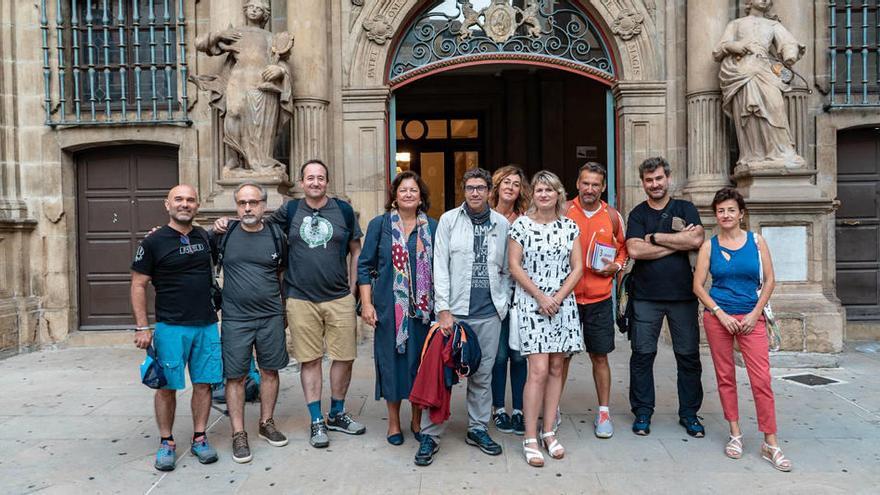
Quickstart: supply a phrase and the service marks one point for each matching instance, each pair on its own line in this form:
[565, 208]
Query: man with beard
[660, 233]
[252, 256]
[177, 260]
[601, 228]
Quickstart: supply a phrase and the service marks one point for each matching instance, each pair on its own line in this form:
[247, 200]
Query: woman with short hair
[395, 275]
[742, 281]
[546, 267]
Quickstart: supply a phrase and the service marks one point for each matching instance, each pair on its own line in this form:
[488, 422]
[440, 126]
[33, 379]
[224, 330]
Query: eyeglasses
[479, 189]
[253, 203]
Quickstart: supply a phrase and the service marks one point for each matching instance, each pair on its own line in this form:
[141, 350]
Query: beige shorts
[312, 325]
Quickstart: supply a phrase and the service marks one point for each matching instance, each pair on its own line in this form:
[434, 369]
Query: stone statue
[252, 92]
[755, 53]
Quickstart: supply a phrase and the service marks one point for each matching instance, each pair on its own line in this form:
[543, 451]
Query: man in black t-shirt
[177, 259]
[660, 232]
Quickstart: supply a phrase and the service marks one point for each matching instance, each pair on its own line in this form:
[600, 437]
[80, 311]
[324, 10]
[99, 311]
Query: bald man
[176, 258]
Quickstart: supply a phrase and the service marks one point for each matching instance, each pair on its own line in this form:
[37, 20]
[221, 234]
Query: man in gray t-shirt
[252, 314]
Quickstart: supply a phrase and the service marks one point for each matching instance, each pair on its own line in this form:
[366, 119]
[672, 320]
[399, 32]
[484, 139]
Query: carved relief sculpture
[755, 52]
[471, 18]
[252, 92]
[627, 24]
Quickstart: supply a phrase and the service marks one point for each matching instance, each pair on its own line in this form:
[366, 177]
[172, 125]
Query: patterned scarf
[402, 286]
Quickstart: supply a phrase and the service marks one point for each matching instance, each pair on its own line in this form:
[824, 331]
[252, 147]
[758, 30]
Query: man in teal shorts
[177, 259]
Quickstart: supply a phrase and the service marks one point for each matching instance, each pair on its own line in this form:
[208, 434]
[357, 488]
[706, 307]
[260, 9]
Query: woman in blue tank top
[739, 260]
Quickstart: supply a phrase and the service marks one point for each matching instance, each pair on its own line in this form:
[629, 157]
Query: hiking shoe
[203, 451]
[602, 426]
[166, 456]
[241, 451]
[269, 433]
[318, 436]
[642, 425]
[346, 424]
[518, 423]
[693, 426]
[427, 448]
[502, 422]
[480, 438]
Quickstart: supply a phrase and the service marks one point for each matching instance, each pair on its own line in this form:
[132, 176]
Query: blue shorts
[197, 348]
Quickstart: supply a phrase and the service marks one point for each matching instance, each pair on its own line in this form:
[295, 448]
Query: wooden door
[858, 223]
[120, 194]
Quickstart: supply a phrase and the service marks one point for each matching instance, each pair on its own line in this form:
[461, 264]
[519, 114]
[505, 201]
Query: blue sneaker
[166, 456]
[203, 451]
[693, 426]
[642, 425]
[427, 448]
[480, 438]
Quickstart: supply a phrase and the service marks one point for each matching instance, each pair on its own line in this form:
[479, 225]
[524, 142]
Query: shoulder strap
[204, 236]
[280, 246]
[615, 220]
[292, 206]
[760, 262]
[221, 249]
[348, 215]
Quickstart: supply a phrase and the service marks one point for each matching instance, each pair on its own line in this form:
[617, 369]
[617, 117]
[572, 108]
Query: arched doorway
[491, 82]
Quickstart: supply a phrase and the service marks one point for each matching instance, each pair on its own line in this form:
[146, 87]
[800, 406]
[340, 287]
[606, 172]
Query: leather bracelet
[653, 240]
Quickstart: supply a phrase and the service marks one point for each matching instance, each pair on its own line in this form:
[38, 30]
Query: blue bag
[152, 374]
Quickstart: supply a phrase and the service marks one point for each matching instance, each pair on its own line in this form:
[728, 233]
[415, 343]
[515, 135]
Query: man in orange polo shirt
[604, 243]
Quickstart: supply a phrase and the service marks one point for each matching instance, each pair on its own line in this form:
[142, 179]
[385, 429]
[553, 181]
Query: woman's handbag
[514, 340]
[152, 374]
[774, 337]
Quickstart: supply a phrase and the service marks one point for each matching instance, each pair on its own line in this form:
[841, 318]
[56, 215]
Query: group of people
[529, 273]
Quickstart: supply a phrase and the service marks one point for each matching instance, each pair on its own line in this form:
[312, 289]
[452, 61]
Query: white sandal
[734, 447]
[775, 457]
[534, 457]
[554, 448]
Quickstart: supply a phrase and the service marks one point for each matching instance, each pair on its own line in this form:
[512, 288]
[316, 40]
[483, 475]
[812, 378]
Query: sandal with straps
[554, 448]
[774, 456]
[734, 447]
[534, 457]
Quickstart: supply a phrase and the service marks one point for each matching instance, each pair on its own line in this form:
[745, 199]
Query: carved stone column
[708, 157]
[800, 118]
[308, 21]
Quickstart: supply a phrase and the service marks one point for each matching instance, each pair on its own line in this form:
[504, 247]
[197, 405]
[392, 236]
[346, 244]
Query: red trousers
[755, 353]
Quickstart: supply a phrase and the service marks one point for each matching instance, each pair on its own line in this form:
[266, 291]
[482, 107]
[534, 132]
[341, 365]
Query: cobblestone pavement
[77, 420]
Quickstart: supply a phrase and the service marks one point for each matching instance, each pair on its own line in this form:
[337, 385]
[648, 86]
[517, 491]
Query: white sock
[515, 412]
[500, 410]
[604, 409]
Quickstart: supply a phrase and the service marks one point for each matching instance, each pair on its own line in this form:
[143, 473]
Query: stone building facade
[99, 115]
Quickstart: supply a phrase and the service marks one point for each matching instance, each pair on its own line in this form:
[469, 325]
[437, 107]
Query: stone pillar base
[775, 184]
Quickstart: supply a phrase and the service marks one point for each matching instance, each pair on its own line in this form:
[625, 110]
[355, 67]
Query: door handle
[851, 222]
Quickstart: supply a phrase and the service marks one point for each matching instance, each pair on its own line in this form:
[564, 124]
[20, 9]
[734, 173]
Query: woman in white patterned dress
[546, 270]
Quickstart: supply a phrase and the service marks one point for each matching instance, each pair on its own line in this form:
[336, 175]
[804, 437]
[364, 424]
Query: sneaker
[241, 451]
[427, 448]
[693, 426]
[346, 424]
[518, 423]
[602, 427]
[166, 456]
[502, 422]
[480, 438]
[318, 436]
[203, 451]
[642, 425]
[269, 433]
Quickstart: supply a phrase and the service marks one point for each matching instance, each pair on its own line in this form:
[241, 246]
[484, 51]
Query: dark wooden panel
[857, 152]
[858, 244]
[120, 191]
[857, 199]
[858, 287]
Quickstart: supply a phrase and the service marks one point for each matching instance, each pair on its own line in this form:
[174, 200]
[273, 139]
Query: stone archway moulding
[627, 26]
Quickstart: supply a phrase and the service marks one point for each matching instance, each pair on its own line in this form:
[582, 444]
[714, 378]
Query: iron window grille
[112, 62]
[854, 50]
[545, 30]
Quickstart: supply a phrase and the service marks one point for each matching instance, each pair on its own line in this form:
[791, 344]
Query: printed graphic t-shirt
[317, 271]
[669, 278]
[251, 288]
[180, 270]
[481, 305]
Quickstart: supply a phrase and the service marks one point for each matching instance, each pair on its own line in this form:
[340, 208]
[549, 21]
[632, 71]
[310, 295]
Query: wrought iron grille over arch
[452, 31]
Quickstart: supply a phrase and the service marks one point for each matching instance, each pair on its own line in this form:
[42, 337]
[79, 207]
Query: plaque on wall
[788, 247]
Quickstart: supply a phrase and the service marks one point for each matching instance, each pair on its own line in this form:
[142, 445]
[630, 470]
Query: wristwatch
[141, 329]
[715, 310]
